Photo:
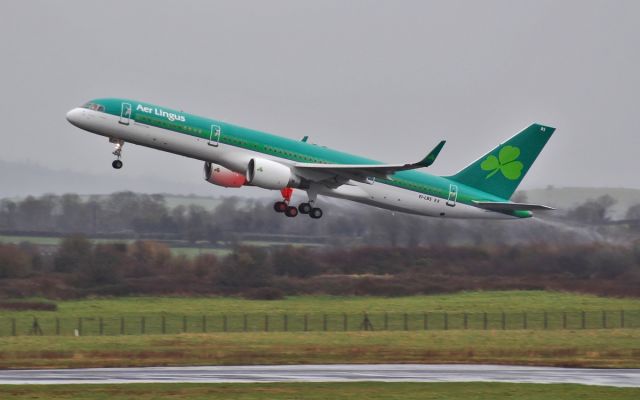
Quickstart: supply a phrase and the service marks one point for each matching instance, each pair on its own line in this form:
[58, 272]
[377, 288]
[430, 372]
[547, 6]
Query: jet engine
[269, 174]
[221, 176]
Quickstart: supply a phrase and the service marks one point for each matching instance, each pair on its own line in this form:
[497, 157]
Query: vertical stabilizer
[500, 171]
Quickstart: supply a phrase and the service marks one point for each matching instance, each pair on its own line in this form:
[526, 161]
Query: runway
[327, 373]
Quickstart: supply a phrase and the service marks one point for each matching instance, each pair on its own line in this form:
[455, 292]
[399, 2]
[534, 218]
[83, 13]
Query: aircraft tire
[316, 213]
[117, 164]
[280, 206]
[291, 212]
[304, 208]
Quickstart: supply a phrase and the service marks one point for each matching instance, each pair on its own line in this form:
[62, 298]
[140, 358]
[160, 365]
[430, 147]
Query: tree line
[132, 215]
[81, 268]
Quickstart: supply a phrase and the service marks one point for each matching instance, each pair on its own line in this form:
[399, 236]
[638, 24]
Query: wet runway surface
[327, 373]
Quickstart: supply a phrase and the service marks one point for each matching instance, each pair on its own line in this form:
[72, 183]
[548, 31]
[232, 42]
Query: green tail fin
[500, 171]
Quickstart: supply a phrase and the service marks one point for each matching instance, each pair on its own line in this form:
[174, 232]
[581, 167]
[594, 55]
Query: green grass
[619, 348]
[351, 390]
[52, 241]
[189, 252]
[193, 252]
[492, 301]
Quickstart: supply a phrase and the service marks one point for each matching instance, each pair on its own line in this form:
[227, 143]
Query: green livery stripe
[290, 149]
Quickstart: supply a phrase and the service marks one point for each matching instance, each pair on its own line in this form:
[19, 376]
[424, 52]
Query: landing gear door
[125, 114]
[453, 195]
[214, 136]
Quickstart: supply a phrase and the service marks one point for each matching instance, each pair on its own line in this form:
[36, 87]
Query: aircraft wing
[508, 206]
[362, 172]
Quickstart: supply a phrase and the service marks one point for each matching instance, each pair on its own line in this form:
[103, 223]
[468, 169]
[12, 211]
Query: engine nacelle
[221, 176]
[269, 174]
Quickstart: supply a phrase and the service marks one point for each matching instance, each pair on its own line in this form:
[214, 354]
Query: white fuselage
[236, 159]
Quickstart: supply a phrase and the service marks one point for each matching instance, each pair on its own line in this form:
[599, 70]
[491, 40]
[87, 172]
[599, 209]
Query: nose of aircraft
[74, 116]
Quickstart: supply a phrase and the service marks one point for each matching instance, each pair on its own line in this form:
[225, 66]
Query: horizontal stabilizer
[508, 206]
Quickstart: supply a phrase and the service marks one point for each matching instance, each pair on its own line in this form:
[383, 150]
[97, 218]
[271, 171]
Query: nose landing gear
[117, 151]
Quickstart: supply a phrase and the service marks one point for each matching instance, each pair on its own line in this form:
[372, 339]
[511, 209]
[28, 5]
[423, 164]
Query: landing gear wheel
[315, 213]
[117, 164]
[280, 206]
[304, 208]
[291, 211]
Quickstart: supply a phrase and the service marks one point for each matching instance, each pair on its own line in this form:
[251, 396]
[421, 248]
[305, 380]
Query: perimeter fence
[317, 322]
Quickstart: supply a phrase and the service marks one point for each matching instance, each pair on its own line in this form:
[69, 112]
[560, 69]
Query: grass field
[189, 252]
[493, 301]
[533, 346]
[591, 348]
[358, 390]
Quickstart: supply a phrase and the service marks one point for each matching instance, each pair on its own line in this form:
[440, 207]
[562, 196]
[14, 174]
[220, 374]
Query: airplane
[234, 157]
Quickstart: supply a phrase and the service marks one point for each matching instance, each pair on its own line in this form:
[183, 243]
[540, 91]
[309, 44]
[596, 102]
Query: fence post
[406, 322]
[57, 326]
[345, 322]
[621, 318]
[80, 326]
[524, 320]
[285, 322]
[604, 319]
[224, 322]
[13, 326]
[504, 321]
[425, 321]
[244, 322]
[101, 326]
[163, 325]
[584, 320]
[306, 322]
[386, 321]
[122, 325]
[484, 321]
[324, 322]
[546, 321]
[142, 325]
[184, 323]
[266, 322]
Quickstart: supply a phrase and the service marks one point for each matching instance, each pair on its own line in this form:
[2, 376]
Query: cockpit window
[94, 107]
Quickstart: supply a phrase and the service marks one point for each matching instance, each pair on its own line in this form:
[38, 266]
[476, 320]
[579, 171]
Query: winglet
[431, 157]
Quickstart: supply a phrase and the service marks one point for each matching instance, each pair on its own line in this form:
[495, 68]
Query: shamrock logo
[506, 162]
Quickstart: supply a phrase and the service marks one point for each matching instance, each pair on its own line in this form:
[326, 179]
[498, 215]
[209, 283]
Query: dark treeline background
[131, 215]
[351, 250]
[81, 268]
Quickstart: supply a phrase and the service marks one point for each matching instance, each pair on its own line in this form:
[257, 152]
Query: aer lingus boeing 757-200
[236, 157]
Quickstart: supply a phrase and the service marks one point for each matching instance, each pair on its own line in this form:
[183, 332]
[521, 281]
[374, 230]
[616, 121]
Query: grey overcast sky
[386, 80]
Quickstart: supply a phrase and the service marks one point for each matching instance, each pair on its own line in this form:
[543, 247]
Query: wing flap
[370, 170]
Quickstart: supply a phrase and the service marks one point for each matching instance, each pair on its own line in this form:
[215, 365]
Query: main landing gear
[117, 151]
[291, 211]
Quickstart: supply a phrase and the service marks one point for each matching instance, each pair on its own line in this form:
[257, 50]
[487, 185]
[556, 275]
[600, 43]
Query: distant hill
[22, 179]
[570, 197]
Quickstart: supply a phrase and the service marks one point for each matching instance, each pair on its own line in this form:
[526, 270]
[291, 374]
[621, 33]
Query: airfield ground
[611, 347]
[368, 390]
[472, 302]
[592, 348]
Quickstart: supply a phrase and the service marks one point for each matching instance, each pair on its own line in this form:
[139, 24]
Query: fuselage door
[214, 136]
[453, 195]
[125, 114]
